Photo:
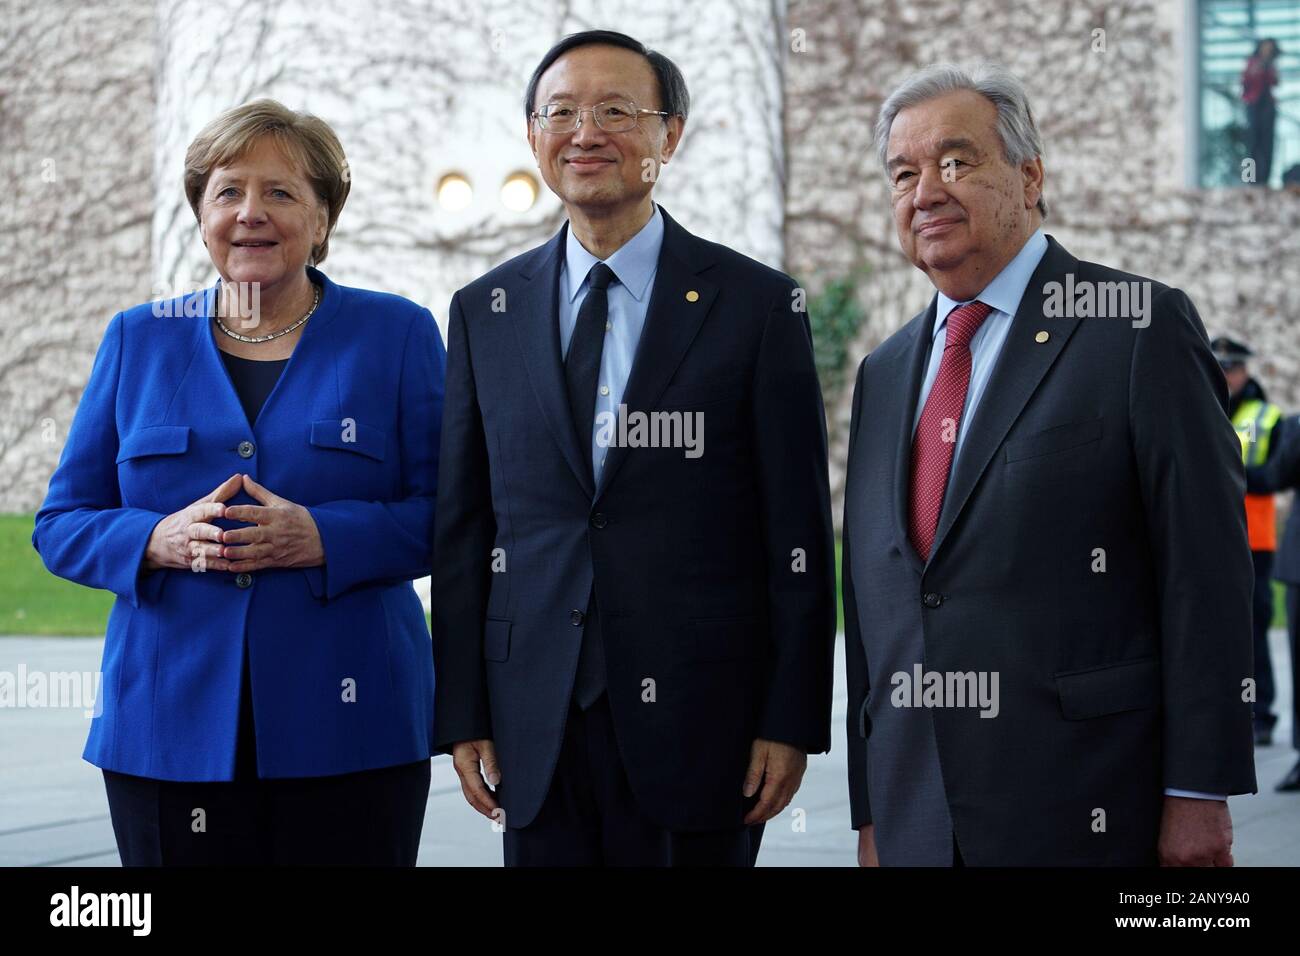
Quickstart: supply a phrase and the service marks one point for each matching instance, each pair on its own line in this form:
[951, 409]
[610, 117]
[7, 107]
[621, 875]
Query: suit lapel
[538, 330]
[1019, 369]
[907, 386]
[671, 324]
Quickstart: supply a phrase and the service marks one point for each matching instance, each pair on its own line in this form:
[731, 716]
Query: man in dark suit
[1047, 584]
[633, 589]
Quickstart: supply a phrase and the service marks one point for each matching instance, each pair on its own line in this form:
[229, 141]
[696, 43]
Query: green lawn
[839, 587]
[33, 601]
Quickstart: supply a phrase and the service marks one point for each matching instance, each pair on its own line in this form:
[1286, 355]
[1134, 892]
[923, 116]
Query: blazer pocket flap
[1134, 685]
[156, 440]
[346, 434]
[496, 640]
[721, 640]
[1056, 439]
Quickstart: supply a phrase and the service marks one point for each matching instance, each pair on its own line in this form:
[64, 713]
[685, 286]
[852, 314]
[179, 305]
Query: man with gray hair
[1036, 467]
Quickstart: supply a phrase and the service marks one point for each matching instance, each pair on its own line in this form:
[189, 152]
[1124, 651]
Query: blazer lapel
[672, 320]
[907, 386]
[1019, 369]
[535, 304]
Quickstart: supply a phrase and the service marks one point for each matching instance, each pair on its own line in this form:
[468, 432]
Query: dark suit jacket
[691, 558]
[1113, 684]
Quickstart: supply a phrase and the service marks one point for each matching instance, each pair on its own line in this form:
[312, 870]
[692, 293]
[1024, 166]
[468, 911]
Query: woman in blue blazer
[252, 471]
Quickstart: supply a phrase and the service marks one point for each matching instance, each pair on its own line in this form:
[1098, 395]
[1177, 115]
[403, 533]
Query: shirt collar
[1007, 288]
[634, 263]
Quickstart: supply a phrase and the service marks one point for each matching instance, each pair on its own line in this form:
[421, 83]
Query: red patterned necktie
[936, 432]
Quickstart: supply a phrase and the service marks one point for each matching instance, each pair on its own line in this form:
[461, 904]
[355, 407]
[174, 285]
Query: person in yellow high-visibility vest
[1256, 420]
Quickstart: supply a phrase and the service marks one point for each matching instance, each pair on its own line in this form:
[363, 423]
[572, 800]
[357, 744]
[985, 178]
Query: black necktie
[582, 364]
[582, 372]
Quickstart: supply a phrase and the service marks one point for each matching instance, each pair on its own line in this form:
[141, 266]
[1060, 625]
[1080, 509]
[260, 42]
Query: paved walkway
[53, 811]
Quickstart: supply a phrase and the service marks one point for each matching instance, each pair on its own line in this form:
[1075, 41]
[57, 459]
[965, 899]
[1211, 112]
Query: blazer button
[243, 579]
[246, 449]
[575, 618]
[598, 520]
[932, 600]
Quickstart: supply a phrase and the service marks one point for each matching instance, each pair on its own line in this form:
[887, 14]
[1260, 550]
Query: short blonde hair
[307, 140]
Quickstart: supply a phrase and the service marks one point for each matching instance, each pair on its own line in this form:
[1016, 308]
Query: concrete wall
[1115, 124]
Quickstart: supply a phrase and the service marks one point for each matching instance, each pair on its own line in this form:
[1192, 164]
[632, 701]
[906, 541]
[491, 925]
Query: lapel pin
[692, 296]
[1041, 337]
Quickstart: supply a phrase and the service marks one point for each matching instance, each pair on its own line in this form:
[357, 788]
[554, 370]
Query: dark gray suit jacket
[1106, 441]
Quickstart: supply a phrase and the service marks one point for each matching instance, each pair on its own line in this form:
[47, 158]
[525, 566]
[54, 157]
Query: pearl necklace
[274, 335]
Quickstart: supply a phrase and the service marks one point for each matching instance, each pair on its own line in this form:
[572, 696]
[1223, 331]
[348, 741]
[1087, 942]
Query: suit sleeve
[462, 549]
[857, 673]
[367, 541]
[82, 531]
[794, 491]
[1192, 483]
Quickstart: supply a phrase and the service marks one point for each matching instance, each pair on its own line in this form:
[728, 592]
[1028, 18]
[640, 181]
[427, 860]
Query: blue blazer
[339, 655]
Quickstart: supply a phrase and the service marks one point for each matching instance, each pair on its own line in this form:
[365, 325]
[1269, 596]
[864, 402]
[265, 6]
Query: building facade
[1138, 102]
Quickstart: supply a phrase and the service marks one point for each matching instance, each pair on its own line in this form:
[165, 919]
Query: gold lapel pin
[692, 296]
[1041, 337]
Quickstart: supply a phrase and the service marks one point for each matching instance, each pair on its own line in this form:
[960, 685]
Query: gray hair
[1021, 141]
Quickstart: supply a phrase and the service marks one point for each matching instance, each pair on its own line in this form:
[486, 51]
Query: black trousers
[590, 817]
[372, 817]
[1261, 618]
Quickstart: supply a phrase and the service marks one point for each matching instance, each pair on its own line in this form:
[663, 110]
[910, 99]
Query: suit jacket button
[932, 600]
[575, 618]
[244, 579]
[598, 520]
[246, 449]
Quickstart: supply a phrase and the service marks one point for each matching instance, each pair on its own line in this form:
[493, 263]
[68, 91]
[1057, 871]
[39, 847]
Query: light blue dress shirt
[634, 265]
[1003, 294]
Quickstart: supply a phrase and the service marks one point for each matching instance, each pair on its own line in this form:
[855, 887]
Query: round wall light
[519, 192]
[454, 192]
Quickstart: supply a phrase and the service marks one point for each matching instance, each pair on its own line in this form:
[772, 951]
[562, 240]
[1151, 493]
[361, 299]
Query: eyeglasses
[613, 116]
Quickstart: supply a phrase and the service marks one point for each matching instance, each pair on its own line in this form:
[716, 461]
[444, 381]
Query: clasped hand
[281, 534]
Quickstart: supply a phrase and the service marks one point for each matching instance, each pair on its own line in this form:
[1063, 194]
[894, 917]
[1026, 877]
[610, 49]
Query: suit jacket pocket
[496, 640]
[1060, 438]
[725, 639]
[1113, 689]
[155, 440]
[349, 435]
